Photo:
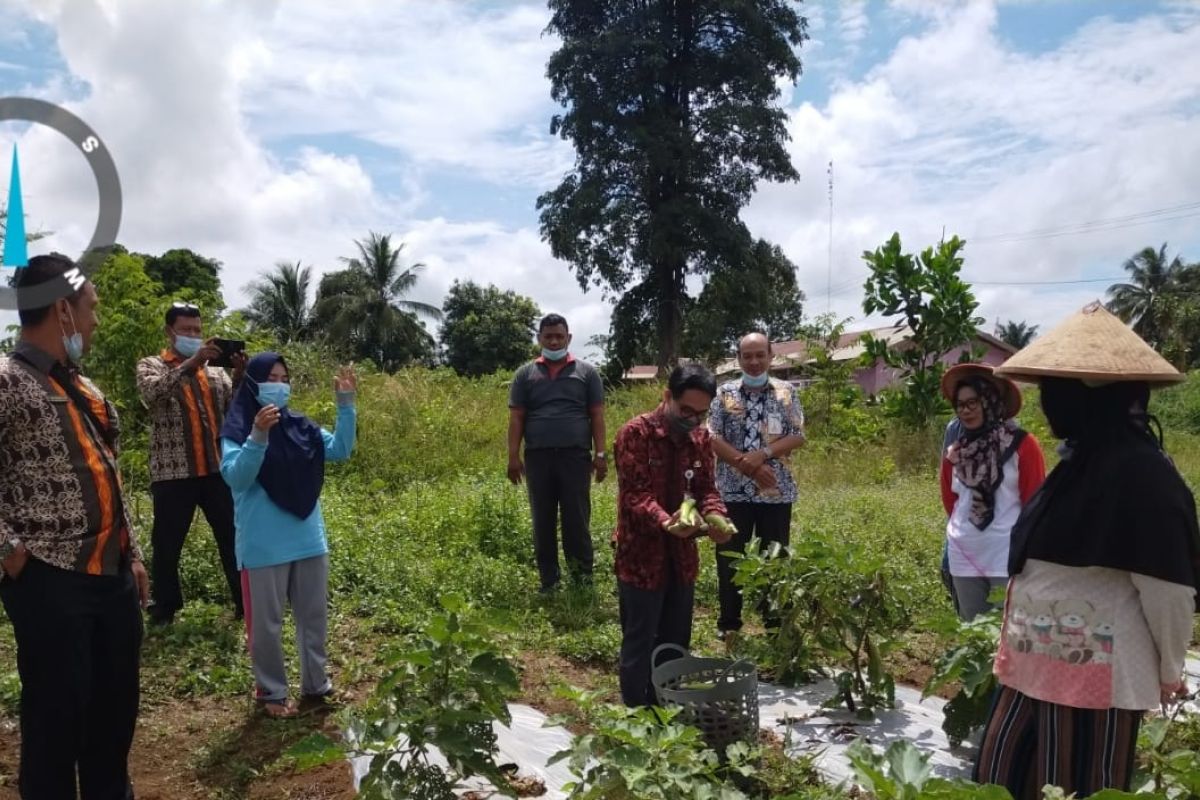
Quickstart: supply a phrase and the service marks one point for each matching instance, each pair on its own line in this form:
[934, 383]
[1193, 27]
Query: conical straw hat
[1091, 345]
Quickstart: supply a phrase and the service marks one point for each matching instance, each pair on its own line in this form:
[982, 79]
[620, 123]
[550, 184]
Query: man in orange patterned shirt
[72, 576]
[187, 399]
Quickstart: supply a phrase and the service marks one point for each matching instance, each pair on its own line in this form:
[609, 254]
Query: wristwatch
[8, 547]
[602, 455]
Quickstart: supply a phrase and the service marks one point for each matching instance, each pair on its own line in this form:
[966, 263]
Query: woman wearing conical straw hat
[1104, 560]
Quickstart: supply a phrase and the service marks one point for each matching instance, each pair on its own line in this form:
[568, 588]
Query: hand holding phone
[228, 348]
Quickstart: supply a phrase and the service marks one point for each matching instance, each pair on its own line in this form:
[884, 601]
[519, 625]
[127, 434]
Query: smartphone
[229, 347]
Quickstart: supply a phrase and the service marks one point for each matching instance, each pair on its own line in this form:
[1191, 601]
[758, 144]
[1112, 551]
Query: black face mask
[681, 426]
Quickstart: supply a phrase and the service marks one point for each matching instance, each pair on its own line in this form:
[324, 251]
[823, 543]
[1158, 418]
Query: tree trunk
[669, 278]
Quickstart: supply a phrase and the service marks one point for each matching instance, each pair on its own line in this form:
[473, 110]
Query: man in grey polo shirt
[557, 407]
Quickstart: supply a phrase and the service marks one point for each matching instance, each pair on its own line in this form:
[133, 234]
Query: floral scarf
[982, 453]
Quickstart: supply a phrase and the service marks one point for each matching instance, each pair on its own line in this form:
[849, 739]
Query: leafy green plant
[938, 309]
[644, 754]
[833, 606]
[970, 664]
[902, 772]
[444, 691]
[1170, 762]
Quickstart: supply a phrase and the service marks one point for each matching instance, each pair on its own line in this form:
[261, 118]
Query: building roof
[641, 372]
[849, 346]
[794, 353]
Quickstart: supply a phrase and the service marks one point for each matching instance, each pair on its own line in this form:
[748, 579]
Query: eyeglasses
[967, 405]
[188, 306]
[691, 413]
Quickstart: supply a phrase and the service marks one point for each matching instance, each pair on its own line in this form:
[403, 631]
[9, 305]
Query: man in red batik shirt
[661, 457]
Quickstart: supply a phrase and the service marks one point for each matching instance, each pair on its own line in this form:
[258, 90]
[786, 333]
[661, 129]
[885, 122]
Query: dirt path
[210, 749]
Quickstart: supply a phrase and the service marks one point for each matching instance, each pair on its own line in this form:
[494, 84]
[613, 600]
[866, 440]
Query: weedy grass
[424, 510]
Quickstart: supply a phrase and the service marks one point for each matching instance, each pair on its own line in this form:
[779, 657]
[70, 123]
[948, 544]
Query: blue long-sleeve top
[266, 534]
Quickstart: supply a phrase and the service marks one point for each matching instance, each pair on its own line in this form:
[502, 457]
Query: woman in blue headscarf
[274, 461]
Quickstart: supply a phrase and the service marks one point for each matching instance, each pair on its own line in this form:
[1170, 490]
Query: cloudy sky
[1056, 137]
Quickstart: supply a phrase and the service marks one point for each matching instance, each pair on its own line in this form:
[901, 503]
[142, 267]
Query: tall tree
[758, 294]
[486, 329]
[184, 271]
[279, 302]
[364, 306]
[1016, 334]
[672, 109]
[1142, 301]
[938, 308]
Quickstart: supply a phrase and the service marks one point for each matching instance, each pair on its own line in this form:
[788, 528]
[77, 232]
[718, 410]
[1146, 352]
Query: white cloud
[438, 82]
[853, 21]
[442, 83]
[957, 128]
[953, 127]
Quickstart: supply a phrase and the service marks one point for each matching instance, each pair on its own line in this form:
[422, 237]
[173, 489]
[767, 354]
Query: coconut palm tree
[364, 305]
[1016, 334]
[279, 301]
[1142, 301]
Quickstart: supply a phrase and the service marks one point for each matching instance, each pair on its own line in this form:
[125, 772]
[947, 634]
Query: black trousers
[78, 641]
[650, 618]
[559, 481]
[175, 505]
[773, 523]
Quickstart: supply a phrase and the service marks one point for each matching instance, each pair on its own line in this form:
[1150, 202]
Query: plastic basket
[716, 695]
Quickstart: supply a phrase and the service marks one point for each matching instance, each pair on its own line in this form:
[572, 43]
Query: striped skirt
[1031, 743]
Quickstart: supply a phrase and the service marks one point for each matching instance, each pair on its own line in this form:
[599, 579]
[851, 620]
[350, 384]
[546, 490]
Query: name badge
[774, 425]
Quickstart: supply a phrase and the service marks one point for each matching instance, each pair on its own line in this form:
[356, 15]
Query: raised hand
[345, 380]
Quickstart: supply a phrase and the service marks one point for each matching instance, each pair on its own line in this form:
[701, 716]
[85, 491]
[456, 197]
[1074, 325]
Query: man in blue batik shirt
[756, 422]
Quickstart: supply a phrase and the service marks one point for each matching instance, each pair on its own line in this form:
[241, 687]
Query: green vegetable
[688, 515]
[723, 524]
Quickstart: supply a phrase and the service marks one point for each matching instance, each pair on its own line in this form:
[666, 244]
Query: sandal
[277, 710]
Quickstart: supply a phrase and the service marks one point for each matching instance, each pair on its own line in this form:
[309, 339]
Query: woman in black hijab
[1104, 557]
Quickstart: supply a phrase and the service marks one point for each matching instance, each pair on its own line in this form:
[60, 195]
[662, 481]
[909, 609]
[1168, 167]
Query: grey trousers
[304, 584]
[971, 595]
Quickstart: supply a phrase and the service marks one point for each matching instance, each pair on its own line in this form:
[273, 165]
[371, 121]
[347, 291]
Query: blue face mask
[274, 394]
[187, 346]
[554, 355]
[73, 344]
[755, 381]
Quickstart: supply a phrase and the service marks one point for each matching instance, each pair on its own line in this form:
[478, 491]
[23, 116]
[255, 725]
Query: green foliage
[131, 327]
[644, 754]
[279, 302]
[1169, 750]
[902, 772]
[758, 293]
[833, 606]
[668, 150]
[970, 665]
[443, 690]
[1178, 407]
[189, 275]
[833, 404]
[362, 308]
[1016, 334]
[1159, 302]
[937, 306]
[485, 329]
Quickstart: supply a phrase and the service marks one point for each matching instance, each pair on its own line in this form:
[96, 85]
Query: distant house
[641, 373]
[791, 357]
